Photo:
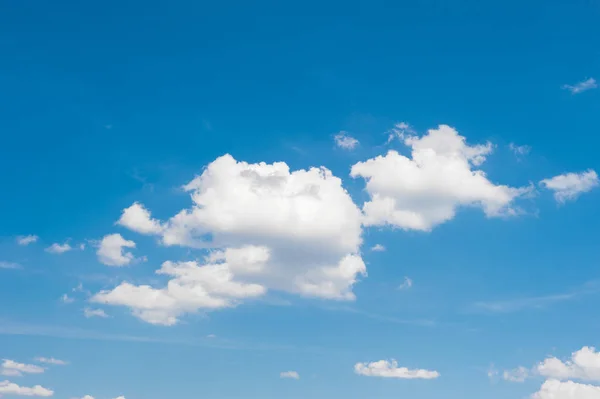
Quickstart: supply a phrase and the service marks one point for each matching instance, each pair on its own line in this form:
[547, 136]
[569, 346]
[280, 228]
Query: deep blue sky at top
[105, 103]
[172, 78]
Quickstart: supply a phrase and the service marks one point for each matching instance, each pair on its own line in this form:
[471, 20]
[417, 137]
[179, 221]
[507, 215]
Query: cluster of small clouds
[268, 228]
[55, 248]
[11, 368]
[568, 379]
[265, 227]
[381, 369]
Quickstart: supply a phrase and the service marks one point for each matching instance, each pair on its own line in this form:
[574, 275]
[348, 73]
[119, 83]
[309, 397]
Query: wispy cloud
[67, 332]
[26, 240]
[406, 284]
[9, 265]
[582, 86]
[514, 305]
[51, 360]
[377, 248]
[536, 302]
[345, 141]
[400, 131]
[89, 313]
[519, 150]
[382, 318]
[290, 374]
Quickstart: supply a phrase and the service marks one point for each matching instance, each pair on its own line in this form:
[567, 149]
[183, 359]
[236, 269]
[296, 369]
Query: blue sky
[163, 235]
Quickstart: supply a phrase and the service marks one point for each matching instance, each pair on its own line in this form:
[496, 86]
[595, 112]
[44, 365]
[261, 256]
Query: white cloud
[423, 191]
[582, 86]
[520, 374]
[14, 369]
[51, 360]
[193, 287]
[519, 150]
[406, 284]
[138, 219]
[9, 265]
[67, 299]
[554, 389]
[111, 250]
[345, 141]
[569, 186]
[9, 388]
[267, 229]
[88, 397]
[378, 248]
[399, 131]
[583, 365]
[390, 369]
[89, 313]
[290, 374]
[26, 240]
[59, 248]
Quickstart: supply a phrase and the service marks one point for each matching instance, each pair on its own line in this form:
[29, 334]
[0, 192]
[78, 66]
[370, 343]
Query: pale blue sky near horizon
[107, 104]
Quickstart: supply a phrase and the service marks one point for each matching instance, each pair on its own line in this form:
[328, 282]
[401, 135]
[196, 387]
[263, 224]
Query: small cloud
[10, 388]
[89, 313]
[211, 336]
[26, 240]
[582, 86]
[520, 374]
[377, 248]
[66, 299]
[290, 374]
[51, 360]
[111, 251]
[82, 247]
[390, 369]
[10, 368]
[58, 248]
[519, 150]
[569, 186]
[343, 140]
[79, 288]
[406, 284]
[400, 131]
[9, 265]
